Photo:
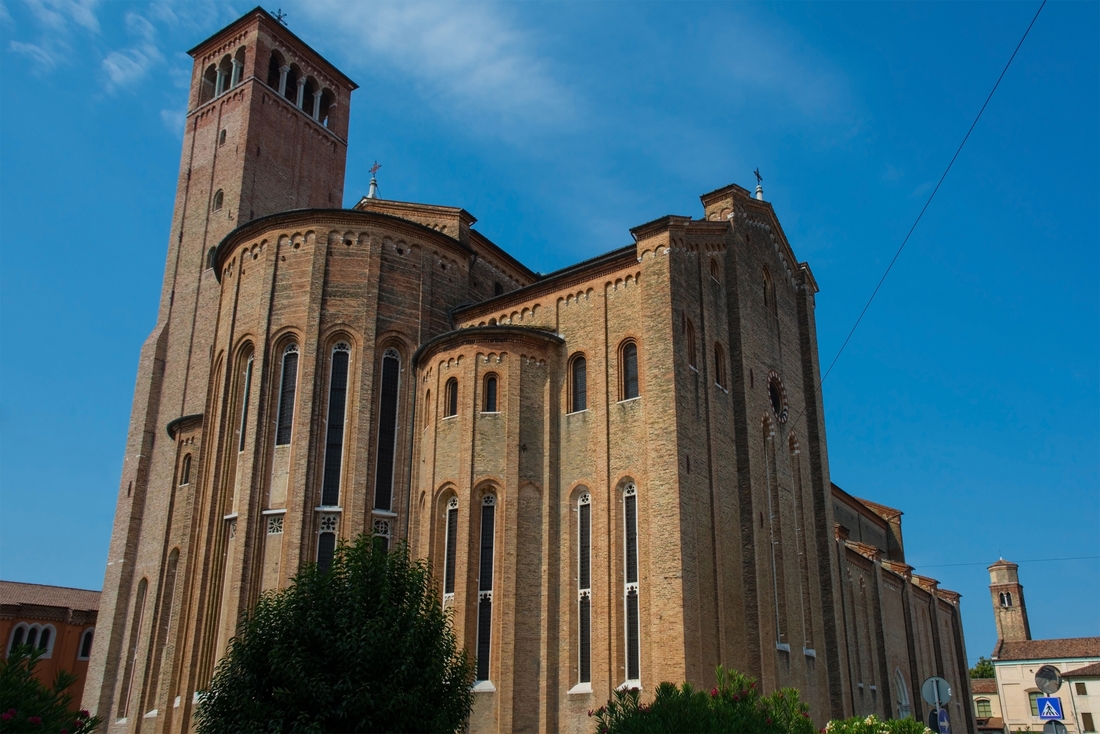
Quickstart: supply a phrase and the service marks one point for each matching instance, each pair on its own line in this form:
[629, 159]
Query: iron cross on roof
[280, 16]
[374, 169]
[759, 178]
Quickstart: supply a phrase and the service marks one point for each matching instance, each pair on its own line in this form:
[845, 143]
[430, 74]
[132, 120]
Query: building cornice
[481, 334]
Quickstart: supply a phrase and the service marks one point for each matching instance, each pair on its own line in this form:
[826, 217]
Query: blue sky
[969, 397]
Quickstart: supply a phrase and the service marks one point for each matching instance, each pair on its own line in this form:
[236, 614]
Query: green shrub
[363, 647]
[734, 706]
[26, 705]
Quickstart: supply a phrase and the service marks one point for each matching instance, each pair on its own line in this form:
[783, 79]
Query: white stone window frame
[80, 648]
[584, 592]
[37, 628]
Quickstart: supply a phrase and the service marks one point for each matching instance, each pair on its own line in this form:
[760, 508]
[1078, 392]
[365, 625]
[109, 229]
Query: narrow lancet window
[244, 403]
[450, 548]
[490, 396]
[451, 396]
[326, 542]
[185, 470]
[630, 371]
[579, 392]
[287, 388]
[387, 430]
[485, 586]
[584, 588]
[630, 591]
[334, 435]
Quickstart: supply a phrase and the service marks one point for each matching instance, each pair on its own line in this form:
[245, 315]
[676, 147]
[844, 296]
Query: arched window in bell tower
[208, 85]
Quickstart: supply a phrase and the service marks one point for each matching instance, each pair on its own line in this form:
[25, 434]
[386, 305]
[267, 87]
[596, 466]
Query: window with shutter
[387, 430]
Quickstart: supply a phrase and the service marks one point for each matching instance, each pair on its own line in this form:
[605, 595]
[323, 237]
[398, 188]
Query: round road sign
[1048, 679]
[1054, 727]
[936, 691]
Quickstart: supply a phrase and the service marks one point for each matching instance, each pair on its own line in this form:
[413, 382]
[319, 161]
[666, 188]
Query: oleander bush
[28, 705]
[733, 706]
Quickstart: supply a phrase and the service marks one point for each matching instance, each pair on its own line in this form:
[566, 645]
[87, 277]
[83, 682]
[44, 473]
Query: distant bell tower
[1009, 609]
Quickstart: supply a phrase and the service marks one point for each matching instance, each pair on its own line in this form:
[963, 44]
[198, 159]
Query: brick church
[618, 470]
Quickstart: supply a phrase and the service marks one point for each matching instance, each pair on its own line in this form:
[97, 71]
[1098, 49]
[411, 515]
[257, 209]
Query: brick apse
[618, 471]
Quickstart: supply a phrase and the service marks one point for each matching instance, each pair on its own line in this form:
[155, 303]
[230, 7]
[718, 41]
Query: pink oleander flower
[714, 693]
[589, 712]
[7, 716]
[84, 714]
[34, 720]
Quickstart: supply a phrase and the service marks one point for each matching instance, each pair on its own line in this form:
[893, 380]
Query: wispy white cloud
[174, 120]
[475, 59]
[127, 66]
[62, 14]
[57, 19]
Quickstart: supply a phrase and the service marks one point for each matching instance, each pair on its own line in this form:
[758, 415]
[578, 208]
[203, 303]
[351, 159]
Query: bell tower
[266, 131]
[1009, 609]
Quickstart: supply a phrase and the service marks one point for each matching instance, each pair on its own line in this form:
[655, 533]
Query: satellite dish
[1048, 679]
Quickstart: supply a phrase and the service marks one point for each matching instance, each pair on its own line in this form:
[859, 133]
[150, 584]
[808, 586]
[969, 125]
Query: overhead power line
[933, 194]
[1030, 560]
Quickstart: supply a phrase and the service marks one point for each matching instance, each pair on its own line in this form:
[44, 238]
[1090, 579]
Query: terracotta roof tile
[13, 592]
[983, 685]
[1089, 671]
[1073, 647]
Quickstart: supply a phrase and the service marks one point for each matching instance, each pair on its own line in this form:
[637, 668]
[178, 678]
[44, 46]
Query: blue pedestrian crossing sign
[1050, 709]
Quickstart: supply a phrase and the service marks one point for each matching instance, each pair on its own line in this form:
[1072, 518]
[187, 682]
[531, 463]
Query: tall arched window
[334, 434]
[326, 541]
[775, 532]
[134, 646]
[209, 82]
[485, 586]
[427, 407]
[450, 548]
[185, 470]
[629, 370]
[1006, 599]
[451, 397]
[904, 708]
[85, 651]
[584, 588]
[246, 390]
[689, 341]
[219, 198]
[630, 584]
[800, 530]
[387, 429]
[489, 394]
[578, 385]
[714, 270]
[288, 385]
[719, 366]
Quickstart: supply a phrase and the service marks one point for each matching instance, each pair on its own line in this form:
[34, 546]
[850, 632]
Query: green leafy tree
[363, 647]
[734, 706]
[983, 669]
[27, 705]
